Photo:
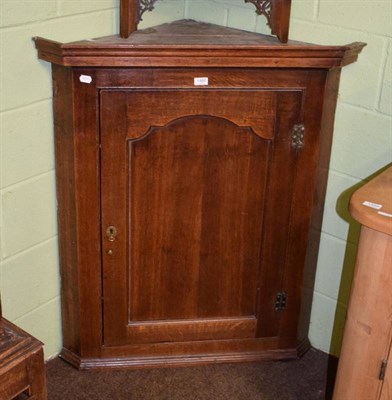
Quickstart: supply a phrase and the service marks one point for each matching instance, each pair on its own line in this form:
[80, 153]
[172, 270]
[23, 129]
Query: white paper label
[85, 79]
[384, 214]
[372, 205]
[201, 81]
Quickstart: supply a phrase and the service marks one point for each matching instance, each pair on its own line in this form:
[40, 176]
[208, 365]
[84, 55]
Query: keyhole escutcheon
[111, 233]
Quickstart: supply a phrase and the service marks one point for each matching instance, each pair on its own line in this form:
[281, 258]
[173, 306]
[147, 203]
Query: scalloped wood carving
[263, 7]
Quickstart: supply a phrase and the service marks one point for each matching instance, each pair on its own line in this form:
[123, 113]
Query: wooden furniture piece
[363, 371]
[191, 169]
[277, 13]
[22, 367]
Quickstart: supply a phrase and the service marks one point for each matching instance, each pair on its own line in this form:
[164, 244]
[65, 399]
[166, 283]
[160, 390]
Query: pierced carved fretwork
[277, 13]
[146, 5]
[263, 7]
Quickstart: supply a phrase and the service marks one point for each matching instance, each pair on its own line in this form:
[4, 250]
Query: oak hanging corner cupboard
[191, 165]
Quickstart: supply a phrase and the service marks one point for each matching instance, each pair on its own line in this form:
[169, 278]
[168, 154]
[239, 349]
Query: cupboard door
[185, 184]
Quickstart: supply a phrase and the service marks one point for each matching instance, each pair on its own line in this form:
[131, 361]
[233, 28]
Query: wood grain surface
[368, 330]
[21, 364]
[376, 213]
[367, 337]
[213, 202]
[195, 44]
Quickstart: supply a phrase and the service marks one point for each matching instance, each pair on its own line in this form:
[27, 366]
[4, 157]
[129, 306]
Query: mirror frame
[277, 13]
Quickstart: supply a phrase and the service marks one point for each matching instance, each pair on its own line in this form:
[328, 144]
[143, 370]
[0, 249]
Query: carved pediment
[277, 13]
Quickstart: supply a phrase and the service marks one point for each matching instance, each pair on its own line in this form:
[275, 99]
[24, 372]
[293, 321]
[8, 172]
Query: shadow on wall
[348, 263]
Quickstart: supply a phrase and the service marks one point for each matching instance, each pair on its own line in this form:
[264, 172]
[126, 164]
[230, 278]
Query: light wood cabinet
[364, 371]
[191, 168]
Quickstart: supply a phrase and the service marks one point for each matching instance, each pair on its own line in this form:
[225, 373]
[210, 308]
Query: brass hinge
[383, 368]
[281, 300]
[298, 136]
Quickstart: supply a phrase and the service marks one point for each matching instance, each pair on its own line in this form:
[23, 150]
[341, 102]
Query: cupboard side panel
[114, 200]
[87, 185]
[66, 211]
[280, 187]
[302, 203]
[327, 108]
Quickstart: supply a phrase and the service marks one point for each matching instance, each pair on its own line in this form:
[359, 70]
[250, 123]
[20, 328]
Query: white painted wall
[29, 278]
